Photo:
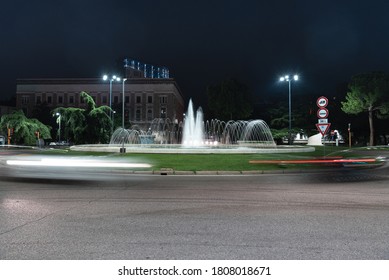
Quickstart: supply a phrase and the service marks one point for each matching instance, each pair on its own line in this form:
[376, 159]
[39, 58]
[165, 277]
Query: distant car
[62, 143]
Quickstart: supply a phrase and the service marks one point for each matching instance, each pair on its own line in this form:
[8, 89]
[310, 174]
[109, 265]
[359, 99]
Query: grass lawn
[216, 162]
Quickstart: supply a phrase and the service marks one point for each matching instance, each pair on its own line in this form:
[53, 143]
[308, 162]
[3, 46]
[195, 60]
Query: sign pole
[323, 125]
[349, 135]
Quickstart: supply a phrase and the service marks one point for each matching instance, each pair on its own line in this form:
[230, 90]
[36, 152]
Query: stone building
[145, 98]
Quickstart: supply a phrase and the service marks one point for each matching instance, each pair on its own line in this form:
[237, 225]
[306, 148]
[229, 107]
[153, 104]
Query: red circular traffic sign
[322, 102]
[322, 113]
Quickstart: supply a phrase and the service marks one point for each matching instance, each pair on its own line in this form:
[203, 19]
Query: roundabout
[178, 149]
[195, 136]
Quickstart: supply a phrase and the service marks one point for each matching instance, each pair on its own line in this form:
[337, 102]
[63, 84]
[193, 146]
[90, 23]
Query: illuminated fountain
[252, 133]
[197, 134]
[160, 132]
[193, 135]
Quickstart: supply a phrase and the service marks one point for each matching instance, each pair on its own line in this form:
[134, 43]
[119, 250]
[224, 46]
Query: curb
[170, 171]
[252, 172]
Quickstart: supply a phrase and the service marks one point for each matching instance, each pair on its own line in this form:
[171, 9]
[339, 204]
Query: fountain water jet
[193, 133]
[197, 134]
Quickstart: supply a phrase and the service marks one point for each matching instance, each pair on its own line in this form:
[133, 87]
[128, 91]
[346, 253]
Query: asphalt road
[326, 215]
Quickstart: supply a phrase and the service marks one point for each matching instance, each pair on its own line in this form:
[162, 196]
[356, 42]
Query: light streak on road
[54, 162]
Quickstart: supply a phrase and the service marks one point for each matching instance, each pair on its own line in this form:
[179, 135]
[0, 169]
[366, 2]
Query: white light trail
[76, 163]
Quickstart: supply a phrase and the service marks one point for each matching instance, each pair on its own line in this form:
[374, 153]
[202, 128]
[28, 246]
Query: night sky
[201, 42]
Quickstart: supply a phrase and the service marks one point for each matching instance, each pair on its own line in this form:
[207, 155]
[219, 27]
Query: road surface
[326, 215]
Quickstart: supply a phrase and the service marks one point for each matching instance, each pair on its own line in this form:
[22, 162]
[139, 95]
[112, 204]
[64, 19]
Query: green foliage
[89, 125]
[278, 134]
[99, 125]
[368, 92]
[229, 100]
[73, 123]
[355, 102]
[24, 128]
[279, 117]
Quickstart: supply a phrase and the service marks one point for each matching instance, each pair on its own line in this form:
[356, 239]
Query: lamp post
[59, 126]
[113, 119]
[123, 150]
[113, 78]
[124, 80]
[349, 135]
[288, 79]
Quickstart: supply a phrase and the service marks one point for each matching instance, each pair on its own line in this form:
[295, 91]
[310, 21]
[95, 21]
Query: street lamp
[124, 80]
[123, 150]
[113, 78]
[349, 135]
[289, 79]
[59, 126]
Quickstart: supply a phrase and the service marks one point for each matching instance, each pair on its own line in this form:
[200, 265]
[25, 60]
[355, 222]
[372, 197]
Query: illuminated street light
[59, 126]
[286, 78]
[113, 78]
[113, 117]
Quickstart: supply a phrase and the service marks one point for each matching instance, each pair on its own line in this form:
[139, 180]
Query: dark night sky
[201, 42]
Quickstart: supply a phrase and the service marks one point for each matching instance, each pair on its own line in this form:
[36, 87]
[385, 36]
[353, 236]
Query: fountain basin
[178, 149]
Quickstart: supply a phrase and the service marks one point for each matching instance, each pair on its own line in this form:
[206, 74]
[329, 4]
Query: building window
[104, 99]
[127, 99]
[163, 100]
[60, 99]
[138, 99]
[82, 101]
[25, 99]
[150, 99]
[138, 114]
[149, 114]
[71, 99]
[116, 99]
[163, 113]
[49, 99]
[38, 99]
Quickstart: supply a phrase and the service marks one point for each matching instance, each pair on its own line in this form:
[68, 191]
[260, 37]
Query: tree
[229, 100]
[73, 123]
[368, 92]
[303, 118]
[43, 113]
[24, 129]
[89, 125]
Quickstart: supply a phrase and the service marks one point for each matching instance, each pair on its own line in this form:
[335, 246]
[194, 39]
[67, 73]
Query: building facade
[145, 99]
